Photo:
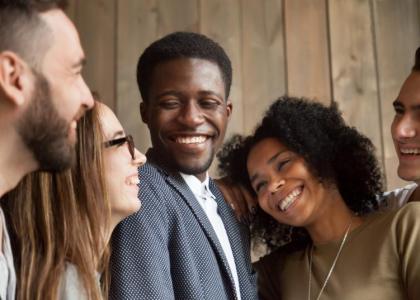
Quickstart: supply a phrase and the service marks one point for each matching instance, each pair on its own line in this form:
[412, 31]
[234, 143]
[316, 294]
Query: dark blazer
[169, 250]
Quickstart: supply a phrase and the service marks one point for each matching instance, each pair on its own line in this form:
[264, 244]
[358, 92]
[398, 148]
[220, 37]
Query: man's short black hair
[181, 45]
[23, 31]
[417, 61]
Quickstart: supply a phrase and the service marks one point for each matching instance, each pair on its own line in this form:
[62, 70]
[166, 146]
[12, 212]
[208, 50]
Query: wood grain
[357, 52]
[96, 21]
[307, 49]
[257, 59]
[353, 67]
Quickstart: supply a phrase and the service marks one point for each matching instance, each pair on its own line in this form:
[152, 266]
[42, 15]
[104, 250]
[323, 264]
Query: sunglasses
[120, 141]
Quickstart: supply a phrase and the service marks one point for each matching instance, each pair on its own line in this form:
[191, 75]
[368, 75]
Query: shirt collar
[196, 186]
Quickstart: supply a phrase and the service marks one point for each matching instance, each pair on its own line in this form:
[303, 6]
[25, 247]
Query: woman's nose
[276, 185]
[139, 158]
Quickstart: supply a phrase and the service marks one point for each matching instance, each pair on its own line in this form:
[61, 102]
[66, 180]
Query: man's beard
[44, 132]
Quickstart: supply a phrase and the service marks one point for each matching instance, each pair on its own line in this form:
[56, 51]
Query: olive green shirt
[380, 260]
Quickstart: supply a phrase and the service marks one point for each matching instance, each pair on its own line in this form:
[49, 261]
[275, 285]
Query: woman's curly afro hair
[335, 153]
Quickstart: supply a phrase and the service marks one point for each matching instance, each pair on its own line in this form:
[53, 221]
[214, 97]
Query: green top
[380, 260]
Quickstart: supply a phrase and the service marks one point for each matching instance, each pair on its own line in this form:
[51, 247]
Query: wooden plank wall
[354, 52]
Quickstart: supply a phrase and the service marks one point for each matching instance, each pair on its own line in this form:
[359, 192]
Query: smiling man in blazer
[185, 242]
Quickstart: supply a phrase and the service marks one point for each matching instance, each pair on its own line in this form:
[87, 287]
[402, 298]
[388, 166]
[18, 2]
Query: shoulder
[158, 201]
[155, 191]
[408, 215]
[274, 261]
[151, 173]
[386, 219]
[271, 267]
[405, 229]
[156, 180]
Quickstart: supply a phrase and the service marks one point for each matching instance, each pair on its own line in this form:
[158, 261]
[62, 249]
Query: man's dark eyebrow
[206, 93]
[168, 93]
[397, 104]
[176, 93]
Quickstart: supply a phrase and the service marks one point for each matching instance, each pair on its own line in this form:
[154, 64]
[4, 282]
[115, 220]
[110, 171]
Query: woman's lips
[132, 180]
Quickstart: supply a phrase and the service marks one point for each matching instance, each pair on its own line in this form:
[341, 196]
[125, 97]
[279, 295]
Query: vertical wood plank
[308, 69]
[95, 20]
[275, 43]
[177, 15]
[72, 9]
[353, 67]
[258, 61]
[397, 36]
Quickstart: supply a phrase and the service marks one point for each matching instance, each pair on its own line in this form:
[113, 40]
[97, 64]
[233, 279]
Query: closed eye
[120, 144]
[281, 164]
[169, 104]
[209, 103]
[259, 186]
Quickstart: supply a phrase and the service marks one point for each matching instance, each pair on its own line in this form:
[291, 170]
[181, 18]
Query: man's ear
[229, 108]
[143, 112]
[13, 77]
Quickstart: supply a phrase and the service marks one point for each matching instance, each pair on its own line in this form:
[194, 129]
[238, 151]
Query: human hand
[243, 203]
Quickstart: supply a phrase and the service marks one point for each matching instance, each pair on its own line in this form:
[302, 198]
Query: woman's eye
[281, 164]
[259, 186]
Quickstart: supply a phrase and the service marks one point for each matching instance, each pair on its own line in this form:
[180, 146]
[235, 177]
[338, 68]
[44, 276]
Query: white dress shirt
[399, 197]
[207, 201]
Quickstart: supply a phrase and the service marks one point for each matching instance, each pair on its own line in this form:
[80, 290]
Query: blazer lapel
[174, 179]
[179, 184]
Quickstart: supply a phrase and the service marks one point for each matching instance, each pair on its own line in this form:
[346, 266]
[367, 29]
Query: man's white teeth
[133, 180]
[286, 202]
[412, 151]
[191, 139]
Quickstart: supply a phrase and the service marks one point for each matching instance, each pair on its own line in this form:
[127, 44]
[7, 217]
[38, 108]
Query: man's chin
[57, 161]
[409, 176]
[195, 167]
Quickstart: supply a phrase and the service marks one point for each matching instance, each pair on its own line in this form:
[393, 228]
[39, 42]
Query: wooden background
[354, 52]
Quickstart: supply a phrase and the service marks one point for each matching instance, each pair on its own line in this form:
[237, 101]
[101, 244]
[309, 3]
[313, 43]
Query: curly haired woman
[316, 181]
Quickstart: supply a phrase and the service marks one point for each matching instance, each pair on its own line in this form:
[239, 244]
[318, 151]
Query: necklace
[343, 241]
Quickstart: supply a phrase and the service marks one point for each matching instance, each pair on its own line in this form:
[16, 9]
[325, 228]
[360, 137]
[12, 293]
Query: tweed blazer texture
[169, 250]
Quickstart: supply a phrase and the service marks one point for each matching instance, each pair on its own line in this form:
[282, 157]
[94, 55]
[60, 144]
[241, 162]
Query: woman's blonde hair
[59, 218]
